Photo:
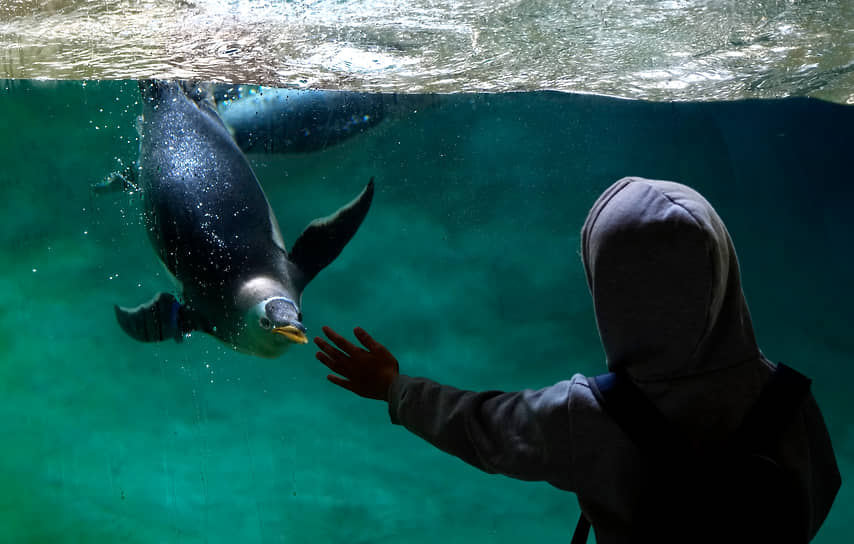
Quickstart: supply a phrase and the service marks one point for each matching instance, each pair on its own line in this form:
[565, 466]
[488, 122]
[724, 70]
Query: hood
[665, 282]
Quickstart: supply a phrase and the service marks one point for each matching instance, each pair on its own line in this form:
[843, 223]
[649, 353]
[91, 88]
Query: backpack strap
[582, 530]
[637, 416]
[774, 410]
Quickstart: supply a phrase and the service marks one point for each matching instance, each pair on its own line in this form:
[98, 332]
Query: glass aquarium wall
[467, 267]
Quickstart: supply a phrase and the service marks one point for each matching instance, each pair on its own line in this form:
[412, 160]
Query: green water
[467, 267]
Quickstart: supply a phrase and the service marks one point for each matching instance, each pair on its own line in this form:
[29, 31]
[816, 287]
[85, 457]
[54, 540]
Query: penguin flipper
[159, 319]
[324, 239]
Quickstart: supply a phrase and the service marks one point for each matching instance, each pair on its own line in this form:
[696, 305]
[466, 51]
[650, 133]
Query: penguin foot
[117, 182]
[157, 320]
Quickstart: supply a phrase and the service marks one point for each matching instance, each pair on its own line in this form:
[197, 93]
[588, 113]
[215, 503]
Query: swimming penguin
[212, 227]
[273, 120]
[270, 120]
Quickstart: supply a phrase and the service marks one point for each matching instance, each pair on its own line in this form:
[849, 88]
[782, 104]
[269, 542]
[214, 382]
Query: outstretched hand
[366, 372]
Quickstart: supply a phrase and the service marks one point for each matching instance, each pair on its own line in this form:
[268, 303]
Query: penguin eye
[265, 323]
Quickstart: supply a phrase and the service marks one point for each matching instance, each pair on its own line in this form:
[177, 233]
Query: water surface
[647, 49]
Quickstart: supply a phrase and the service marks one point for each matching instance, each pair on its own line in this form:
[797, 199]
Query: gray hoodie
[670, 311]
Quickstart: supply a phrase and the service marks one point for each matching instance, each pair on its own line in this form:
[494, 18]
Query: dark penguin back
[205, 210]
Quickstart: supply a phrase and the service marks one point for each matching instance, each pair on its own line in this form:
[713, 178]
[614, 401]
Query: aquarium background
[467, 267]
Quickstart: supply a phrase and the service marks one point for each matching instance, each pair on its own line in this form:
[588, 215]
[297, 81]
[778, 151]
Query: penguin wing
[324, 239]
[159, 319]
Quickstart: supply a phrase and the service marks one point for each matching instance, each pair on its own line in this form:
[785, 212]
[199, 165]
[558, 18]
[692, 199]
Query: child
[671, 315]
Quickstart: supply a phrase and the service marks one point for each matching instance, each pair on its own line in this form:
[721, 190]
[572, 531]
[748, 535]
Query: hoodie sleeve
[523, 434]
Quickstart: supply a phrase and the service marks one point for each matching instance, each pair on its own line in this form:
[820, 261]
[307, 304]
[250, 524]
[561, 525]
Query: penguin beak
[293, 333]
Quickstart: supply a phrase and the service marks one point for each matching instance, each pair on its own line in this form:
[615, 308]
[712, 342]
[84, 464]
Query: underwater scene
[466, 266]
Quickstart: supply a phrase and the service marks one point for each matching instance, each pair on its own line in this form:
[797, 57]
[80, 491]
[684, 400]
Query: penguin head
[275, 320]
[281, 316]
[272, 322]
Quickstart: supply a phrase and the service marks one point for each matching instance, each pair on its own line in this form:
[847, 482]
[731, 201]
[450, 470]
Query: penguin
[211, 224]
[270, 120]
[300, 120]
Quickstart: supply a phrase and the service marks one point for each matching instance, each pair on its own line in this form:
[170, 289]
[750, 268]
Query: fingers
[340, 364]
[349, 386]
[341, 342]
[341, 382]
[373, 346]
[335, 366]
[367, 340]
[327, 348]
[330, 363]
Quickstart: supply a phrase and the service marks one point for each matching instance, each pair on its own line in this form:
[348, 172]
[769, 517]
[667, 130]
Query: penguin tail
[149, 89]
[153, 90]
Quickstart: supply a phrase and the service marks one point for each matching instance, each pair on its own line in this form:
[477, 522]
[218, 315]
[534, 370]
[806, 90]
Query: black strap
[637, 416]
[774, 410]
[582, 530]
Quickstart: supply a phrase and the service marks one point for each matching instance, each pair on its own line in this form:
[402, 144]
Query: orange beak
[292, 333]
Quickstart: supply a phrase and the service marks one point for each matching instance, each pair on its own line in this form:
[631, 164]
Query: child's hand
[368, 373]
